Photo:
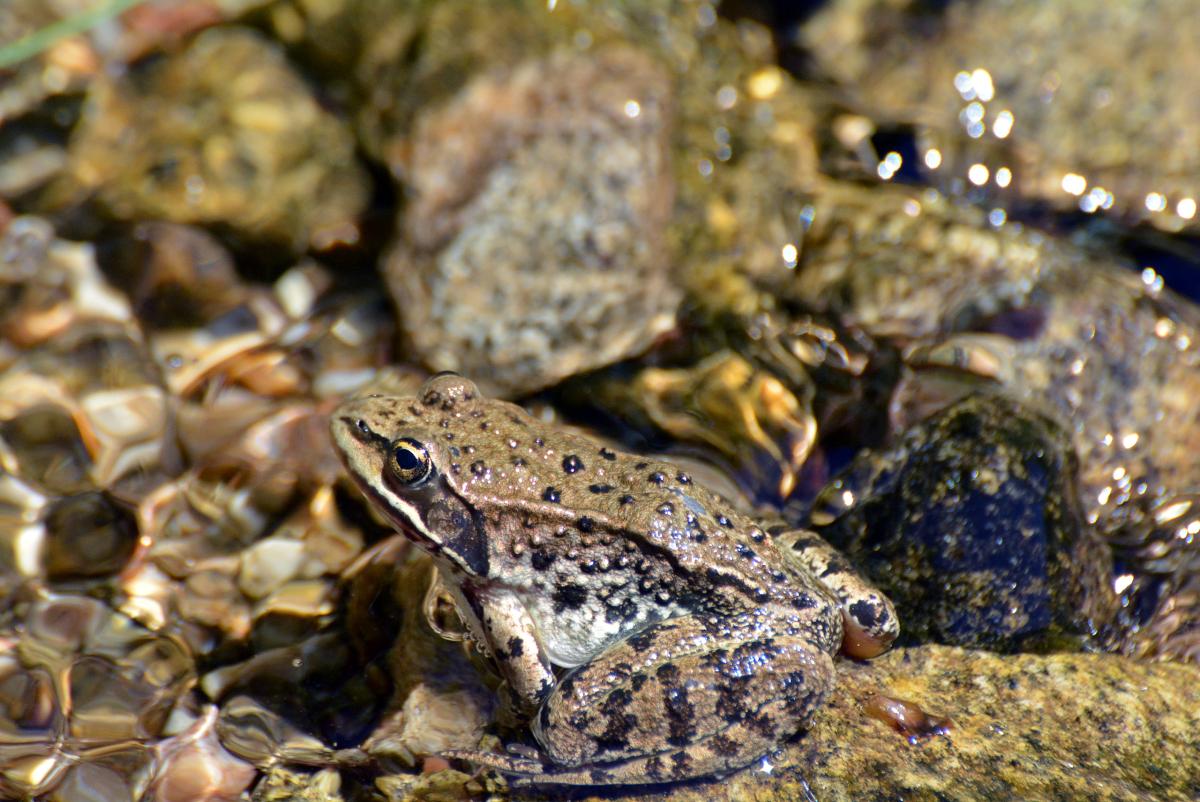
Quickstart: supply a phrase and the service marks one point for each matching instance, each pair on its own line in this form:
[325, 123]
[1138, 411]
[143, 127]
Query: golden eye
[410, 461]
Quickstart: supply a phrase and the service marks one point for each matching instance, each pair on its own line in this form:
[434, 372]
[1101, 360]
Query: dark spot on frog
[469, 449]
[723, 745]
[683, 478]
[698, 536]
[641, 641]
[641, 466]
[485, 425]
[745, 552]
[731, 703]
[638, 680]
[515, 647]
[654, 768]
[626, 499]
[552, 495]
[519, 462]
[600, 488]
[626, 610]
[455, 468]
[444, 423]
[607, 454]
[777, 530]
[762, 724]
[666, 508]
[539, 442]
[682, 762]
[569, 597]
[757, 535]
[541, 560]
[586, 524]
[478, 467]
[723, 521]
[865, 613]
[681, 713]
[572, 464]
[657, 478]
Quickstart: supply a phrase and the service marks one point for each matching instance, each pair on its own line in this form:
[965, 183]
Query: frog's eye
[410, 462]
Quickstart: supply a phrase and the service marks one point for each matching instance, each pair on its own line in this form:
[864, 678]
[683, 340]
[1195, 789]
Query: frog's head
[390, 450]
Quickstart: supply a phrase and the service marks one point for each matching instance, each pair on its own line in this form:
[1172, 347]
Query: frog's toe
[867, 641]
[507, 764]
[870, 619]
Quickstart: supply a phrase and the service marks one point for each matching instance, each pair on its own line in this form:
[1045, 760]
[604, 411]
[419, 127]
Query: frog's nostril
[362, 426]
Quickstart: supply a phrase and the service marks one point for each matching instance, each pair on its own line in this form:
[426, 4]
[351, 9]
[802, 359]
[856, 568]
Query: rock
[224, 134]
[532, 242]
[1088, 107]
[971, 525]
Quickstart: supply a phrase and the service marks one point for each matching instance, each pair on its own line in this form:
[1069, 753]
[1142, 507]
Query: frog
[648, 630]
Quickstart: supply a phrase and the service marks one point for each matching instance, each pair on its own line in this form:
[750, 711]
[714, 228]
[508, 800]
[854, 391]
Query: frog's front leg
[688, 697]
[870, 619]
[509, 634]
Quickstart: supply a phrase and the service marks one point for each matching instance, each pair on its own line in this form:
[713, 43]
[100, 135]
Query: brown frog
[650, 631]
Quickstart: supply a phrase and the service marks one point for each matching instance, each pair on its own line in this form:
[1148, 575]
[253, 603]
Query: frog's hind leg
[698, 760]
[688, 697]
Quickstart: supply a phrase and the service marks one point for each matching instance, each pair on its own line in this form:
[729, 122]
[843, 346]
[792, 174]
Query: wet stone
[224, 133]
[87, 535]
[970, 524]
[48, 448]
[533, 248]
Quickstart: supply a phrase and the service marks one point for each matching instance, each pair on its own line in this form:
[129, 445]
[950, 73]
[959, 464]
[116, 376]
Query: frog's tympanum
[648, 630]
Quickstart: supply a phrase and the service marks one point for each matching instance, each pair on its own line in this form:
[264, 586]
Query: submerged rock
[971, 525]
[224, 134]
[1086, 106]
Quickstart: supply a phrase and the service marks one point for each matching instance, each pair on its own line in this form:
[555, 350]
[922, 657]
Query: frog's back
[564, 497]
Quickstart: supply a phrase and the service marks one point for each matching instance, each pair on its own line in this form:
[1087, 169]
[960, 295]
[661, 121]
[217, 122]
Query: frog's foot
[870, 620]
